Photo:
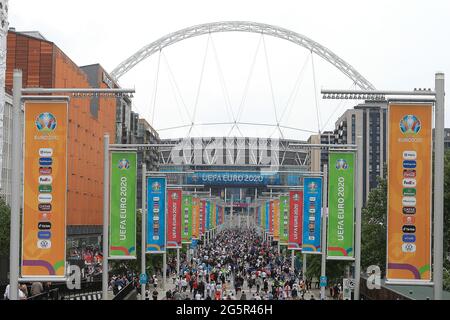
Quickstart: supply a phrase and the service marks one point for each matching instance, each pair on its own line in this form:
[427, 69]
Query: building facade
[44, 65]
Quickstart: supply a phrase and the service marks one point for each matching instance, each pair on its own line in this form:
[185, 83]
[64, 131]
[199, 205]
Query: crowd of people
[237, 264]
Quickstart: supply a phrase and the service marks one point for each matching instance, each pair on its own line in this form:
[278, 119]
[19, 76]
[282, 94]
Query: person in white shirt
[20, 294]
[198, 296]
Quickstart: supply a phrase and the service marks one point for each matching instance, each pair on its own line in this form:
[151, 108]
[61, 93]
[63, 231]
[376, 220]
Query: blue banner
[234, 178]
[312, 206]
[207, 215]
[156, 215]
[267, 216]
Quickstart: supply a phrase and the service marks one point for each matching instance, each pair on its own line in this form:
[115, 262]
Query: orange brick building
[45, 65]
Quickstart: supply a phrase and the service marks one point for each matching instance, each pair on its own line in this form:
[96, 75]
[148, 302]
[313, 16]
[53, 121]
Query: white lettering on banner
[341, 208]
[123, 208]
[296, 221]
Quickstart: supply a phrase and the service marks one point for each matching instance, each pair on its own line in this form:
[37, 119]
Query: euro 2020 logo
[174, 196]
[124, 164]
[341, 164]
[312, 187]
[46, 122]
[156, 187]
[410, 125]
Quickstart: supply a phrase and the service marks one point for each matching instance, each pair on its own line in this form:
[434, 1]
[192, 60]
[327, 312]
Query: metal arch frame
[243, 26]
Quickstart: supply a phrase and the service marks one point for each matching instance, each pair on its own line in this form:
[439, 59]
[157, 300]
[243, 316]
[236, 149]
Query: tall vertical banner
[202, 217]
[122, 209]
[312, 209]
[284, 220]
[271, 215]
[409, 193]
[45, 185]
[214, 215]
[156, 214]
[276, 220]
[263, 215]
[208, 215]
[195, 218]
[174, 198]
[341, 206]
[295, 220]
[186, 221]
[268, 217]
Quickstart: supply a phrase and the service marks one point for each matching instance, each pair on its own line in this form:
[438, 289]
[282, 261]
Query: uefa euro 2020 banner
[195, 218]
[312, 208]
[174, 218]
[341, 206]
[409, 193]
[268, 225]
[45, 185]
[122, 225]
[208, 215]
[295, 220]
[284, 220]
[186, 219]
[156, 214]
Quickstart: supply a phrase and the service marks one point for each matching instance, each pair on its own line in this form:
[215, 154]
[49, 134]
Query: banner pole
[304, 267]
[324, 230]
[105, 217]
[359, 201]
[178, 262]
[439, 185]
[16, 146]
[292, 259]
[143, 226]
[164, 270]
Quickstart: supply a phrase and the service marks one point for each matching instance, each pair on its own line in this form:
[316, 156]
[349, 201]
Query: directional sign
[143, 278]
[323, 281]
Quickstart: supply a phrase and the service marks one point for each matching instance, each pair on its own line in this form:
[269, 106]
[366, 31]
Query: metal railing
[124, 292]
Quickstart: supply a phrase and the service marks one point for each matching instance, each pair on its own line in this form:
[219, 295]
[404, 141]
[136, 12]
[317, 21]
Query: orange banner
[276, 220]
[195, 218]
[409, 193]
[45, 185]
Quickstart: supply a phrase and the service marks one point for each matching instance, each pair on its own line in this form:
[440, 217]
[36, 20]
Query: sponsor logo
[123, 164]
[45, 198]
[312, 199]
[156, 187]
[44, 244]
[45, 152]
[45, 180]
[45, 189]
[409, 229]
[46, 122]
[409, 210]
[44, 216]
[46, 162]
[44, 225]
[409, 164]
[409, 183]
[409, 201]
[409, 155]
[44, 235]
[410, 125]
[156, 199]
[409, 238]
[312, 218]
[409, 247]
[409, 173]
[311, 238]
[341, 164]
[409, 192]
[45, 207]
[312, 210]
[45, 171]
[174, 196]
[409, 220]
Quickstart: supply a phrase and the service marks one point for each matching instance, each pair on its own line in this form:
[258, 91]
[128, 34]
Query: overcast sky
[394, 44]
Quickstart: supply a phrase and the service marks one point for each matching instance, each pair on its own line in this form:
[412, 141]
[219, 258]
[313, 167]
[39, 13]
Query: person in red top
[218, 295]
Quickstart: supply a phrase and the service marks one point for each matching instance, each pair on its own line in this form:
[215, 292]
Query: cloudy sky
[394, 44]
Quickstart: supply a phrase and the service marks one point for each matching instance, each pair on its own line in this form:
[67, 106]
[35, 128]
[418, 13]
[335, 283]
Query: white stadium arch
[243, 26]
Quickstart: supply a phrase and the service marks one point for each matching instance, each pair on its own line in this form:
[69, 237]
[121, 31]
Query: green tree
[373, 227]
[5, 219]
